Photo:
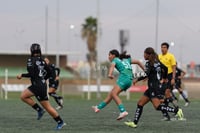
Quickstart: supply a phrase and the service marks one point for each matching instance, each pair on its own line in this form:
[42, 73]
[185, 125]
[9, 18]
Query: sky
[24, 22]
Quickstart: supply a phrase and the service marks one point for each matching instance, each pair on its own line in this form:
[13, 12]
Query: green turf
[17, 117]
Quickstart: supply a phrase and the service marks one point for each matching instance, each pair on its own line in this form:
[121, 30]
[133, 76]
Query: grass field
[17, 117]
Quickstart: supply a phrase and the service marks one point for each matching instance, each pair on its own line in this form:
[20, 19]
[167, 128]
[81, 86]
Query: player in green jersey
[122, 63]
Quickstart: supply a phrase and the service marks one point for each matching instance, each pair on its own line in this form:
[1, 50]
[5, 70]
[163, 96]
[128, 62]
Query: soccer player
[156, 73]
[53, 83]
[38, 72]
[123, 64]
[179, 75]
[169, 61]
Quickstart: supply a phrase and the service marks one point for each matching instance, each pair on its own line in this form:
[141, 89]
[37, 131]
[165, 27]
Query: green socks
[101, 105]
[121, 107]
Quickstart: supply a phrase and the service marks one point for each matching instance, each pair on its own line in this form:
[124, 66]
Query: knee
[23, 98]
[157, 107]
[113, 94]
[140, 103]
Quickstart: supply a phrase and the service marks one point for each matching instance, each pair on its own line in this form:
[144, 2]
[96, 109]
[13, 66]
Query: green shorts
[124, 82]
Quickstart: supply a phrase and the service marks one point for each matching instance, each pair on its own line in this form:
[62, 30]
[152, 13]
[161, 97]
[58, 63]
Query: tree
[89, 33]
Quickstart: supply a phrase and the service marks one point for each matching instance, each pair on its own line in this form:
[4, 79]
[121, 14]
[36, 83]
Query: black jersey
[55, 71]
[37, 70]
[154, 73]
[178, 72]
[178, 80]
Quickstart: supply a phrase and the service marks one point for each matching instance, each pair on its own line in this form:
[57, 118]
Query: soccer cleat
[60, 126]
[186, 104]
[122, 115]
[59, 107]
[181, 119]
[130, 124]
[165, 118]
[61, 101]
[95, 108]
[40, 114]
[178, 119]
[180, 114]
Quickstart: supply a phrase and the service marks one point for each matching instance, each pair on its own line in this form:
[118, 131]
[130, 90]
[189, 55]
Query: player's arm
[27, 75]
[164, 72]
[182, 74]
[138, 63]
[143, 77]
[174, 72]
[30, 70]
[57, 71]
[173, 63]
[111, 69]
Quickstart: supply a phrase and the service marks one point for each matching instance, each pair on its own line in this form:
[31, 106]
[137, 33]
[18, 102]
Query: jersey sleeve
[26, 75]
[57, 71]
[173, 60]
[114, 61]
[30, 68]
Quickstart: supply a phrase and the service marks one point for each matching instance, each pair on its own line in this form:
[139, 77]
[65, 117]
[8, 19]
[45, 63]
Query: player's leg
[52, 92]
[138, 112]
[103, 103]
[168, 92]
[26, 97]
[58, 99]
[166, 108]
[53, 113]
[180, 90]
[115, 95]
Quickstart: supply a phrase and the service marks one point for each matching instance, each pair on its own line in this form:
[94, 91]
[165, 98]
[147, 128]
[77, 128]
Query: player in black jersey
[53, 83]
[38, 72]
[179, 75]
[156, 73]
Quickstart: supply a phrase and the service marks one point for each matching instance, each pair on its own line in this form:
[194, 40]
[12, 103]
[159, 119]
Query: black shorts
[151, 93]
[40, 91]
[169, 86]
[178, 84]
[54, 84]
[161, 90]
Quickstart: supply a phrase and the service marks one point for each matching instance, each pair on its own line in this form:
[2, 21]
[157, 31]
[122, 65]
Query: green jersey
[125, 69]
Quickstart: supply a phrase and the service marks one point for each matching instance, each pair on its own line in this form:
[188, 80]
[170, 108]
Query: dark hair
[35, 49]
[153, 57]
[165, 44]
[123, 55]
[114, 52]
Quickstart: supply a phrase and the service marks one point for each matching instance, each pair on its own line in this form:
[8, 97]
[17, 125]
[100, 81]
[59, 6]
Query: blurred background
[77, 35]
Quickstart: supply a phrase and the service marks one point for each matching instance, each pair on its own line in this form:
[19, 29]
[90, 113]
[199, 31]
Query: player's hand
[135, 81]
[163, 81]
[111, 76]
[173, 81]
[19, 76]
[57, 77]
